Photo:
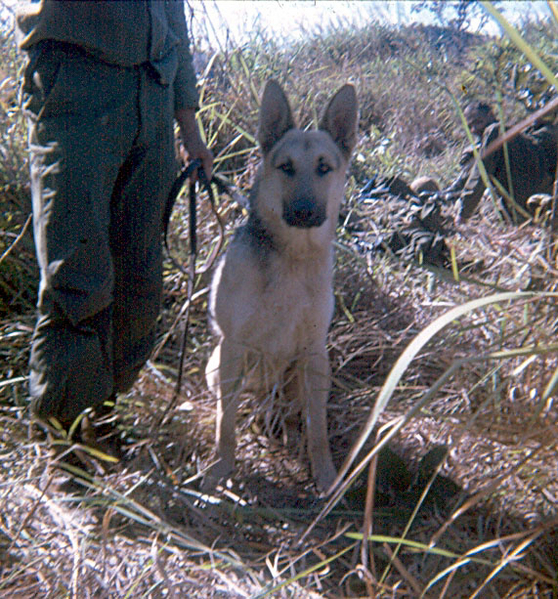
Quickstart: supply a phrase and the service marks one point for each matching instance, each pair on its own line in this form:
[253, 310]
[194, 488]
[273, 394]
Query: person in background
[479, 117]
[103, 85]
[532, 165]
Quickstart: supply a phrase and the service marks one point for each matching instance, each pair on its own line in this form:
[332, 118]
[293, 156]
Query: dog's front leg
[224, 373]
[317, 377]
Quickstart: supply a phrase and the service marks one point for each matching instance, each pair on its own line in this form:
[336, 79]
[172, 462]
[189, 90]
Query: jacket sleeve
[474, 186]
[186, 95]
[471, 194]
[467, 163]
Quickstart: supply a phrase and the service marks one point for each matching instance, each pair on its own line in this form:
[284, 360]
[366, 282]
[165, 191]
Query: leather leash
[191, 272]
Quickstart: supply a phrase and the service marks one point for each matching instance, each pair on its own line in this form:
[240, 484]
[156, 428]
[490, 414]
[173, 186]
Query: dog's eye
[287, 167]
[323, 168]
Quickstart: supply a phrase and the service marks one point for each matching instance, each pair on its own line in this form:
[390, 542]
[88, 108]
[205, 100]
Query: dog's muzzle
[304, 213]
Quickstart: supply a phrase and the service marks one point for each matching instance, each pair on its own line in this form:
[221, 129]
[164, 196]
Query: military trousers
[102, 161]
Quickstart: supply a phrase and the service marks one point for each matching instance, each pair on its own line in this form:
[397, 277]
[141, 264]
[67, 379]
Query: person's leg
[83, 122]
[135, 232]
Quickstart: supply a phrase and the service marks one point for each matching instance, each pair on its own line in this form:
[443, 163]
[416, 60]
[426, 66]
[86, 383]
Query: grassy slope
[140, 530]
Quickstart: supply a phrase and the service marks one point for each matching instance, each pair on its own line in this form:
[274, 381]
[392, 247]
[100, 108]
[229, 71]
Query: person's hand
[192, 141]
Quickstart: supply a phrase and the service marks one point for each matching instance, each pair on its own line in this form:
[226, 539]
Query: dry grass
[488, 526]
[142, 530]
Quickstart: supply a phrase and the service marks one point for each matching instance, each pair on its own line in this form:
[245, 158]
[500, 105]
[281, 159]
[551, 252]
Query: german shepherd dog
[271, 298]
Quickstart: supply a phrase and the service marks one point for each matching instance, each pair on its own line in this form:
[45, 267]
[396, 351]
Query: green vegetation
[456, 378]
[18, 274]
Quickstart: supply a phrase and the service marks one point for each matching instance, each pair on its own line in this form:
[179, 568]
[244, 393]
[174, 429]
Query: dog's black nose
[304, 213]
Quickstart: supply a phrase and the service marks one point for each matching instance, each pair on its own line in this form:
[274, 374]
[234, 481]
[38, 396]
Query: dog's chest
[295, 309]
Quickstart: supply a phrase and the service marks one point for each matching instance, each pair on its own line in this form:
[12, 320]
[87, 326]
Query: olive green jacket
[124, 32]
[532, 168]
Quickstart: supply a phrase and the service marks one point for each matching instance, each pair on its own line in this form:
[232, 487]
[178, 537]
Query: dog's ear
[340, 119]
[275, 116]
